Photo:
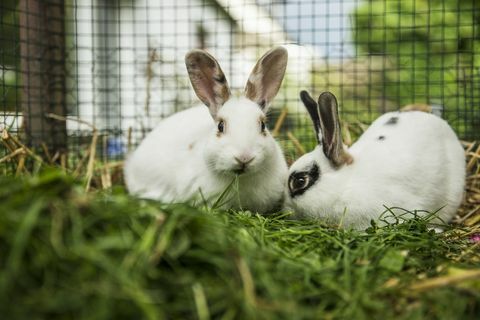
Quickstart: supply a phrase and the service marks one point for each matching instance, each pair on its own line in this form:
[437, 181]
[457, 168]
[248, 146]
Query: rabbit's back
[412, 160]
[170, 157]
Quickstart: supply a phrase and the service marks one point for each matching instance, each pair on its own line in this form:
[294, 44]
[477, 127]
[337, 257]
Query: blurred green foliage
[431, 53]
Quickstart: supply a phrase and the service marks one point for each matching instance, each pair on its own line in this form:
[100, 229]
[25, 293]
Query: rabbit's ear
[331, 133]
[207, 79]
[266, 77]
[312, 108]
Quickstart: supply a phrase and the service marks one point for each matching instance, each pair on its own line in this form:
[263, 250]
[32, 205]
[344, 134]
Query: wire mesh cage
[72, 68]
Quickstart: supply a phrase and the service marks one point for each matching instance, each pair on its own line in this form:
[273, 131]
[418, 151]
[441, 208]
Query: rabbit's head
[327, 157]
[239, 142]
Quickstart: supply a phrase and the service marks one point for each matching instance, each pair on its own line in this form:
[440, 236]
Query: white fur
[183, 155]
[420, 165]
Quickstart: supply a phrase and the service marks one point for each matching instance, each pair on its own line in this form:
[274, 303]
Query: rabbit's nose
[244, 159]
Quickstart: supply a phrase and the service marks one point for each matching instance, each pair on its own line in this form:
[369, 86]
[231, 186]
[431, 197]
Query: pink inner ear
[207, 79]
[205, 88]
[266, 77]
[272, 76]
[201, 70]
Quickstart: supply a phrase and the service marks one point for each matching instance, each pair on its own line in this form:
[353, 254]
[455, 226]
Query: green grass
[68, 254]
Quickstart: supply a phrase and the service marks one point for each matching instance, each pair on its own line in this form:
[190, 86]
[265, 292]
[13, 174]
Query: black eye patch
[299, 182]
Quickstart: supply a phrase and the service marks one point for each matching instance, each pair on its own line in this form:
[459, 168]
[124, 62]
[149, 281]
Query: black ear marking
[262, 104]
[220, 79]
[312, 109]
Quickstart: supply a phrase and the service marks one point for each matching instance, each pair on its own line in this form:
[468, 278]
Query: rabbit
[404, 160]
[197, 153]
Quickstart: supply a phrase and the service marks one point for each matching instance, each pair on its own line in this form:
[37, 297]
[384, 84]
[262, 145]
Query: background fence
[117, 66]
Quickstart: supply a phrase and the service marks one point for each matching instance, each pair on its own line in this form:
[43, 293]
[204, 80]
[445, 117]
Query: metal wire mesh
[118, 66]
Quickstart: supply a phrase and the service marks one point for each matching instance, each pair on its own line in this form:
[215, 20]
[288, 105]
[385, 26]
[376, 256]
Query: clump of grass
[70, 253]
[66, 253]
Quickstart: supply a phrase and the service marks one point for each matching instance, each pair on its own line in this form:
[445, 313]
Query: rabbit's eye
[299, 182]
[221, 126]
[262, 126]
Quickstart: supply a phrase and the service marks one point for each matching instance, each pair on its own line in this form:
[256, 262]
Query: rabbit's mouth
[244, 170]
[241, 170]
[242, 165]
[235, 171]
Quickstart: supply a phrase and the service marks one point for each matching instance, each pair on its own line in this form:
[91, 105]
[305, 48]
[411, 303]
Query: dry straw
[469, 212]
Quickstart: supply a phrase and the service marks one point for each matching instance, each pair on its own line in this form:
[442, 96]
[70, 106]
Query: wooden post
[42, 54]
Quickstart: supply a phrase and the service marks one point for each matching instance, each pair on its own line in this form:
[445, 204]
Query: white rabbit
[409, 160]
[196, 153]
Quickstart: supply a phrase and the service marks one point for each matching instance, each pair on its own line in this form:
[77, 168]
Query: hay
[300, 149]
[469, 212]
[279, 123]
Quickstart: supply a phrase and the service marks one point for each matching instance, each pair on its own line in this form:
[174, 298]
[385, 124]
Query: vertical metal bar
[107, 57]
[42, 55]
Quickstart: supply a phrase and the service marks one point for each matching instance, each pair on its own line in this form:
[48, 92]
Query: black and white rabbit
[410, 160]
